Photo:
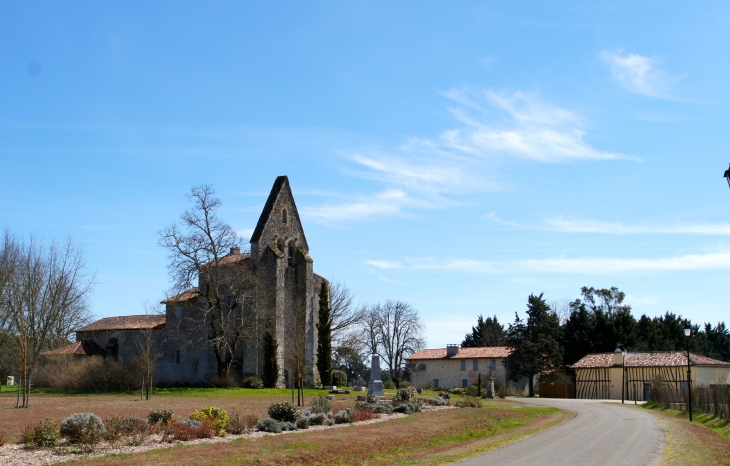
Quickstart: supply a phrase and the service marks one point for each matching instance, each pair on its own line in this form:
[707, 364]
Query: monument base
[376, 388]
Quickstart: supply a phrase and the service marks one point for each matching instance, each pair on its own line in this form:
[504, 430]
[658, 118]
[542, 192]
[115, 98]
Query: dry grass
[434, 437]
[691, 443]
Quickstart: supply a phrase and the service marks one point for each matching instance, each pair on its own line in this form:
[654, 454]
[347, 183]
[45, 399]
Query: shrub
[320, 405]
[502, 394]
[92, 373]
[469, 402]
[83, 428]
[406, 394]
[438, 401]
[316, 419]
[252, 381]
[269, 425]
[363, 414]
[458, 391]
[372, 398]
[115, 430]
[287, 426]
[159, 416]
[136, 429]
[216, 417]
[241, 424]
[44, 435]
[389, 385]
[284, 411]
[405, 385]
[339, 378]
[472, 390]
[303, 423]
[181, 430]
[445, 395]
[407, 408]
[378, 408]
[344, 416]
[428, 385]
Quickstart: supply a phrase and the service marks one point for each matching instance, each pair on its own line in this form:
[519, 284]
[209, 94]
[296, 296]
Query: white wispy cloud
[587, 266]
[430, 172]
[565, 225]
[386, 203]
[637, 73]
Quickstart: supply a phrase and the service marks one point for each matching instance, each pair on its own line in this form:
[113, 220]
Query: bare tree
[43, 300]
[345, 314]
[148, 350]
[393, 330]
[204, 248]
[561, 307]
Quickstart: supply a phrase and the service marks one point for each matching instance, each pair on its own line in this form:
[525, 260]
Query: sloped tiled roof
[80, 348]
[125, 323]
[649, 359]
[464, 353]
[186, 295]
[233, 258]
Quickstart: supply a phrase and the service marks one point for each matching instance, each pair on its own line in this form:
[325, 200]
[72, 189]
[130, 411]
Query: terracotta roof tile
[80, 348]
[125, 323]
[464, 353]
[186, 295]
[649, 359]
[232, 258]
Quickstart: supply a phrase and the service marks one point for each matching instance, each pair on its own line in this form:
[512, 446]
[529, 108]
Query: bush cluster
[363, 414]
[93, 373]
[44, 435]
[372, 398]
[406, 395]
[344, 416]
[159, 416]
[445, 395]
[269, 425]
[437, 401]
[216, 417]
[339, 378]
[377, 408]
[284, 411]
[83, 428]
[320, 405]
[252, 381]
[389, 385]
[469, 402]
[407, 408]
[242, 424]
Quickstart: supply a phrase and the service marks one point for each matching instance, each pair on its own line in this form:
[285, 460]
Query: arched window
[283, 216]
[290, 252]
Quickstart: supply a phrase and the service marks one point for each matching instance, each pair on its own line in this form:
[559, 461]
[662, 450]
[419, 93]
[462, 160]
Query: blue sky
[458, 158]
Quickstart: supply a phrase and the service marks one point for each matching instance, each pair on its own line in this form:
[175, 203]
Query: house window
[464, 383]
[177, 357]
[283, 216]
[436, 384]
[493, 365]
[475, 365]
[463, 365]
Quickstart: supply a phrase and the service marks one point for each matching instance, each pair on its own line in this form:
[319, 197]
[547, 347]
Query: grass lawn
[435, 437]
[705, 441]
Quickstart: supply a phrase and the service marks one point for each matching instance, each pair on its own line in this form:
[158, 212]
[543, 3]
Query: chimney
[452, 350]
[235, 251]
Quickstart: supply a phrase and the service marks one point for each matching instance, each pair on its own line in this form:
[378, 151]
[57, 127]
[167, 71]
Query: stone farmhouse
[454, 367]
[283, 269]
[599, 376]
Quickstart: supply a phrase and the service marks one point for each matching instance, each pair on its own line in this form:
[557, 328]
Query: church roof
[80, 348]
[186, 295]
[489, 352]
[269, 207]
[142, 322]
[648, 359]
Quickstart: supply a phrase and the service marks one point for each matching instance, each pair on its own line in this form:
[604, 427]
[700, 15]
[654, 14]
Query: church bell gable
[279, 223]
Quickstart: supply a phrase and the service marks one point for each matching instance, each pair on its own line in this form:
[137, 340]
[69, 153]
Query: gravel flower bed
[18, 455]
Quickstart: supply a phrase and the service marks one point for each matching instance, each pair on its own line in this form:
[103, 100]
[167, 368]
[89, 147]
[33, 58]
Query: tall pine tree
[535, 342]
[271, 364]
[487, 332]
[324, 336]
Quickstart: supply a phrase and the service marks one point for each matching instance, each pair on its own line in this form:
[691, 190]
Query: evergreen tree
[324, 336]
[486, 333]
[270, 374]
[535, 343]
[578, 333]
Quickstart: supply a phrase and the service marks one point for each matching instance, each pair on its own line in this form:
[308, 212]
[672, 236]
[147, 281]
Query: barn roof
[648, 359]
[464, 353]
[142, 322]
[80, 348]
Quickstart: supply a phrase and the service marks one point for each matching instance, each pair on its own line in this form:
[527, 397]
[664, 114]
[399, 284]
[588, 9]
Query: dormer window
[283, 216]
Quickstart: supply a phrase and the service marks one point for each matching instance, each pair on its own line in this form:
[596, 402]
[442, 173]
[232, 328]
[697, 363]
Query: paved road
[599, 434]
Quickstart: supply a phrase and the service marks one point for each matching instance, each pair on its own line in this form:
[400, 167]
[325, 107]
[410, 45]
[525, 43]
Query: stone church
[283, 269]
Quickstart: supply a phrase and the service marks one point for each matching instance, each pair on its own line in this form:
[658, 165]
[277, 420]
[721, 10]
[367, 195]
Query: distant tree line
[595, 323]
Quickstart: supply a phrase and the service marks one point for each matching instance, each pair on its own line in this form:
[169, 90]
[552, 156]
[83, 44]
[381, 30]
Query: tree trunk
[532, 388]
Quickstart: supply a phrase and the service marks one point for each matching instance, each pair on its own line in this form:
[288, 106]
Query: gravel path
[599, 434]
